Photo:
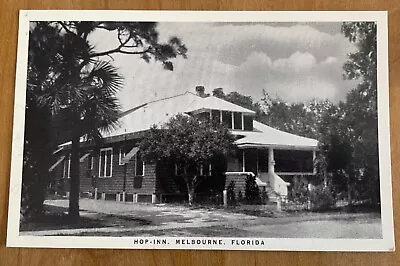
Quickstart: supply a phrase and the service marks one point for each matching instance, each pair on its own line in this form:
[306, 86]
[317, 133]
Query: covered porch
[273, 157]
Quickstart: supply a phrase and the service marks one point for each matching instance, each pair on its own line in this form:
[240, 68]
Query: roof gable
[158, 112]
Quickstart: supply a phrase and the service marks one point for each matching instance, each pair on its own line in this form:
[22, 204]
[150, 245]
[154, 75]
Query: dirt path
[127, 219]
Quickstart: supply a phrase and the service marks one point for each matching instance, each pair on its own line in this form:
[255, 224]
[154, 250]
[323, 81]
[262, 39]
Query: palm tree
[91, 108]
[68, 79]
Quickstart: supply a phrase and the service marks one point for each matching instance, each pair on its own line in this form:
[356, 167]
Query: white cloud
[295, 62]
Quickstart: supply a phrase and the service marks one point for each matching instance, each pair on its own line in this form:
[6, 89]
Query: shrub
[240, 196]
[322, 198]
[251, 191]
[264, 197]
[299, 190]
[231, 193]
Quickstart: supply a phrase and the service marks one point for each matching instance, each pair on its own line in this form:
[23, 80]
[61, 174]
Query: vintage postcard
[202, 130]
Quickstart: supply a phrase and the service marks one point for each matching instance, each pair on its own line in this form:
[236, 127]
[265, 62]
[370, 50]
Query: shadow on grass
[56, 218]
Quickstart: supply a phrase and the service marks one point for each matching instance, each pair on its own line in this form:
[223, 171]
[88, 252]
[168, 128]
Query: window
[248, 123]
[205, 169]
[237, 120]
[105, 162]
[67, 167]
[216, 117]
[204, 116]
[227, 119]
[263, 160]
[139, 165]
[290, 161]
[90, 162]
[121, 156]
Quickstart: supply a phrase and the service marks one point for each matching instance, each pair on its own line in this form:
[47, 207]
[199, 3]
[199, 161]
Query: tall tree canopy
[190, 143]
[70, 81]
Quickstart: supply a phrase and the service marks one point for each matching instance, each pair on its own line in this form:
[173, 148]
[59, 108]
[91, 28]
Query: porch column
[271, 161]
[243, 162]
[242, 121]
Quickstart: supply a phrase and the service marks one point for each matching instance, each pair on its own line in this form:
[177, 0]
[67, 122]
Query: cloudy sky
[296, 62]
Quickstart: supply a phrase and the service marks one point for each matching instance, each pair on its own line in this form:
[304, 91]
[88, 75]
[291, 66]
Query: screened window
[178, 170]
[139, 166]
[227, 118]
[216, 116]
[263, 160]
[105, 162]
[250, 160]
[205, 169]
[293, 161]
[248, 123]
[237, 120]
[205, 116]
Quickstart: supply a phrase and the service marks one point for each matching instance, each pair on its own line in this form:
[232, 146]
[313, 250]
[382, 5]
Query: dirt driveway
[110, 218]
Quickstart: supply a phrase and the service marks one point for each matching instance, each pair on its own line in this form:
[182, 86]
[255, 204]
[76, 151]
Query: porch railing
[278, 184]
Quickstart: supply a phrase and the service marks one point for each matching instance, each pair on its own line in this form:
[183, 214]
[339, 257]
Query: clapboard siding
[239, 180]
[115, 184]
[167, 182]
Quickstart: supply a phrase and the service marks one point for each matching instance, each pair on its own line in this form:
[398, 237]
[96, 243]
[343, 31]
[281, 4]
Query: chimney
[201, 91]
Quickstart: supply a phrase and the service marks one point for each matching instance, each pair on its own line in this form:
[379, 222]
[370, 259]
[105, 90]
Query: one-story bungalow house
[116, 170]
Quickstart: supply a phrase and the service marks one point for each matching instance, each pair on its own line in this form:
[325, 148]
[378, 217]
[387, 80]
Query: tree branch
[118, 50]
[66, 28]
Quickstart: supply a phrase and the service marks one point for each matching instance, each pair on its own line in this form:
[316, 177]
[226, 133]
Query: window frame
[248, 118]
[105, 162]
[239, 123]
[122, 154]
[69, 167]
[91, 162]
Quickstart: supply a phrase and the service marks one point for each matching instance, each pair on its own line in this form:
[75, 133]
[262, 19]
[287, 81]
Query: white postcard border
[294, 244]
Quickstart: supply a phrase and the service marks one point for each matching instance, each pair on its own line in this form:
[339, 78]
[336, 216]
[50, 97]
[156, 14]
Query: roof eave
[277, 146]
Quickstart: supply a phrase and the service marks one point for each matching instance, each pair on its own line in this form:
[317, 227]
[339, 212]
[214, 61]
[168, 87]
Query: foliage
[231, 194]
[264, 197]
[71, 81]
[299, 190]
[251, 190]
[190, 143]
[347, 131]
[239, 99]
[240, 196]
[297, 118]
[37, 153]
[322, 198]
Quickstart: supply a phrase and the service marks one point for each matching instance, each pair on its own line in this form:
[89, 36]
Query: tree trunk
[74, 181]
[191, 196]
[349, 200]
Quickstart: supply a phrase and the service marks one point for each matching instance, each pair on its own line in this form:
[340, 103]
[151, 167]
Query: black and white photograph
[202, 130]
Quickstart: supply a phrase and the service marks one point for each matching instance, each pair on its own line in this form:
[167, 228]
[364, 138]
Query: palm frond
[106, 77]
